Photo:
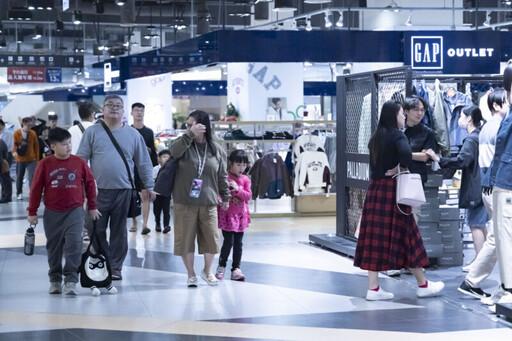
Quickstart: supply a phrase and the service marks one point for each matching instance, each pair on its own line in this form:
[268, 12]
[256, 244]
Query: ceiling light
[393, 7]
[316, 1]
[487, 22]
[328, 22]
[308, 24]
[409, 21]
[120, 2]
[31, 7]
[339, 23]
[77, 17]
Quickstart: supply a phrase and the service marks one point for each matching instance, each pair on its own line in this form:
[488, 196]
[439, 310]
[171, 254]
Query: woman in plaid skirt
[389, 239]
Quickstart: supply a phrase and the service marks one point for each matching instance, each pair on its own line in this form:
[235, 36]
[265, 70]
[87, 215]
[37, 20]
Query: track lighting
[487, 22]
[409, 21]
[339, 23]
[308, 24]
[328, 22]
[120, 2]
[77, 17]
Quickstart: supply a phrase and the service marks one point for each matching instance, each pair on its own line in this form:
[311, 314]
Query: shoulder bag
[95, 270]
[135, 202]
[409, 190]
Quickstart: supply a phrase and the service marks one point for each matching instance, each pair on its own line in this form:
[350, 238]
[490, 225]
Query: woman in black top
[421, 138]
[389, 239]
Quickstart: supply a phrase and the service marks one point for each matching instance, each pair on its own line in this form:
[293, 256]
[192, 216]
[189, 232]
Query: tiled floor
[294, 291]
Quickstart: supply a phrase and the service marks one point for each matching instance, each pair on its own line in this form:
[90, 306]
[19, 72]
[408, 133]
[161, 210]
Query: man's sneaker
[70, 289]
[432, 289]
[220, 272]
[145, 230]
[392, 273]
[380, 295]
[210, 279]
[192, 282]
[167, 229]
[19, 197]
[55, 288]
[495, 297]
[467, 289]
[237, 275]
[158, 228]
[116, 276]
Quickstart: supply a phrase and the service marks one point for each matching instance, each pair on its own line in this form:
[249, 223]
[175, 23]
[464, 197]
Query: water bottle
[30, 240]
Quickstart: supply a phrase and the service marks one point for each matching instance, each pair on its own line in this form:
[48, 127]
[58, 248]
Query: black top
[420, 137]
[393, 149]
[149, 140]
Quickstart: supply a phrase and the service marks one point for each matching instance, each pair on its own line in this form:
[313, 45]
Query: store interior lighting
[328, 22]
[393, 7]
[339, 23]
[308, 24]
[77, 17]
[120, 2]
[409, 21]
[487, 22]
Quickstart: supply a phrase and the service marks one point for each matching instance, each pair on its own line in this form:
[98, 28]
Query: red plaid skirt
[388, 239]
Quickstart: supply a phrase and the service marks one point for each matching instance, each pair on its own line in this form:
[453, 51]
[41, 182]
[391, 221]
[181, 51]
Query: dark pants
[162, 205]
[231, 240]
[6, 182]
[20, 174]
[113, 205]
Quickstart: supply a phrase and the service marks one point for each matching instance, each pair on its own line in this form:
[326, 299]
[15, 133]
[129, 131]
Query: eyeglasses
[113, 106]
[422, 110]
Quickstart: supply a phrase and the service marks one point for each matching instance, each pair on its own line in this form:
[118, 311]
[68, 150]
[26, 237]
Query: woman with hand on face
[389, 239]
[470, 195]
[201, 178]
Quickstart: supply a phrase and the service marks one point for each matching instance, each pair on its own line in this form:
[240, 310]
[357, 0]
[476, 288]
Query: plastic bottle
[30, 239]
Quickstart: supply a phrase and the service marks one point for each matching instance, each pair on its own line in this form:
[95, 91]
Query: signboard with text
[26, 75]
[53, 75]
[75, 61]
[453, 52]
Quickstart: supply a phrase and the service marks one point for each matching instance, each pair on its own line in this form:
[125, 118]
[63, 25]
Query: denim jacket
[499, 173]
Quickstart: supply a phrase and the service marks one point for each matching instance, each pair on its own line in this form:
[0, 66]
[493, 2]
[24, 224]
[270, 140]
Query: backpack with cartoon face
[95, 270]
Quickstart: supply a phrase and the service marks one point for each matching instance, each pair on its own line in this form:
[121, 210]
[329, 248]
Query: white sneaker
[20, 197]
[70, 289]
[495, 297]
[432, 289]
[192, 282]
[507, 298]
[210, 279]
[381, 295]
[392, 273]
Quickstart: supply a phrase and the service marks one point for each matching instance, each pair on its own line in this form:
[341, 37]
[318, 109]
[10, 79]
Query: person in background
[44, 145]
[7, 137]
[5, 178]
[27, 161]
[37, 127]
[114, 187]
[149, 139]
[62, 175]
[236, 219]
[484, 263]
[86, 113]
[52, 121]
[162, 204]
[470, 195]
[200, 178]
[389, 239]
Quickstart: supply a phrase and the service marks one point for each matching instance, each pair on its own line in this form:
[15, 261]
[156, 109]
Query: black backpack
[95, 270]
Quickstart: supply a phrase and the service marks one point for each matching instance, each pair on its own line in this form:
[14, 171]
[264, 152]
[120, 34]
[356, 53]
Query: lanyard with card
[197, 183]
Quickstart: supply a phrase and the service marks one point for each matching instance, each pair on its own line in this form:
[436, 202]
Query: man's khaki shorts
[191, 221]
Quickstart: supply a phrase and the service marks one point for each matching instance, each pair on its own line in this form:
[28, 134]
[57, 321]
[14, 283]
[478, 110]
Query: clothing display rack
[360, 98]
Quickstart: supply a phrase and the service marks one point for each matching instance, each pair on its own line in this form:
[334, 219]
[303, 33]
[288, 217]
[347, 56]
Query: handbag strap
[114, 142]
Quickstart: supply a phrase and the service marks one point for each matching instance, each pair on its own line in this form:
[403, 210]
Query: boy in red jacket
[63, 178]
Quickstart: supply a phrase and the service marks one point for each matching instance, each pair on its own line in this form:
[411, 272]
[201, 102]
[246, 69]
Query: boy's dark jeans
[162, 204]
[231, 240]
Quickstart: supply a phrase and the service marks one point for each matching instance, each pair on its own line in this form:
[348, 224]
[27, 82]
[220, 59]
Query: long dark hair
[203, 118]
[387, 122]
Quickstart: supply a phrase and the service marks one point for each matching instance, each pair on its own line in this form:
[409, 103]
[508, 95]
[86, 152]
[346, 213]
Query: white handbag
[409, 190]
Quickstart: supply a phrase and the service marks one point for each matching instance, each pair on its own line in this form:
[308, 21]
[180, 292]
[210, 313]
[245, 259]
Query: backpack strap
[81, 127]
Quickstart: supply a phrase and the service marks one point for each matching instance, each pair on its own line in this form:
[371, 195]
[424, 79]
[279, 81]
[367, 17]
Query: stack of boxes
[438, 224]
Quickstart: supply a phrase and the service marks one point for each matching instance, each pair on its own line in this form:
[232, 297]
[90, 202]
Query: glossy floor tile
[293, 291]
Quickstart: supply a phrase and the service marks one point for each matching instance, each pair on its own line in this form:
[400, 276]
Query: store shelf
[254, 140]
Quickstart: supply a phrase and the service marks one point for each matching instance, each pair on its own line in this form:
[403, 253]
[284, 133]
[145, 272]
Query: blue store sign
[453, 52]
[53, 75]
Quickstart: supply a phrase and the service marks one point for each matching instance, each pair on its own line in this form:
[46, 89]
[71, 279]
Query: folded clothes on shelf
[238, 134]
[277, 135]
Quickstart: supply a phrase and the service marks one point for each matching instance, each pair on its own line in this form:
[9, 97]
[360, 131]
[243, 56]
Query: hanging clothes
[419, 89]
[439, 121]
[312, 173]
[454, 102]
[307, 143]
[270, 178]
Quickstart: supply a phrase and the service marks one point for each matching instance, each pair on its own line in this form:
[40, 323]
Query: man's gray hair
[107, 97]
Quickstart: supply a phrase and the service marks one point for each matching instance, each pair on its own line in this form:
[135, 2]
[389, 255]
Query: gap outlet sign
[472, 52]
